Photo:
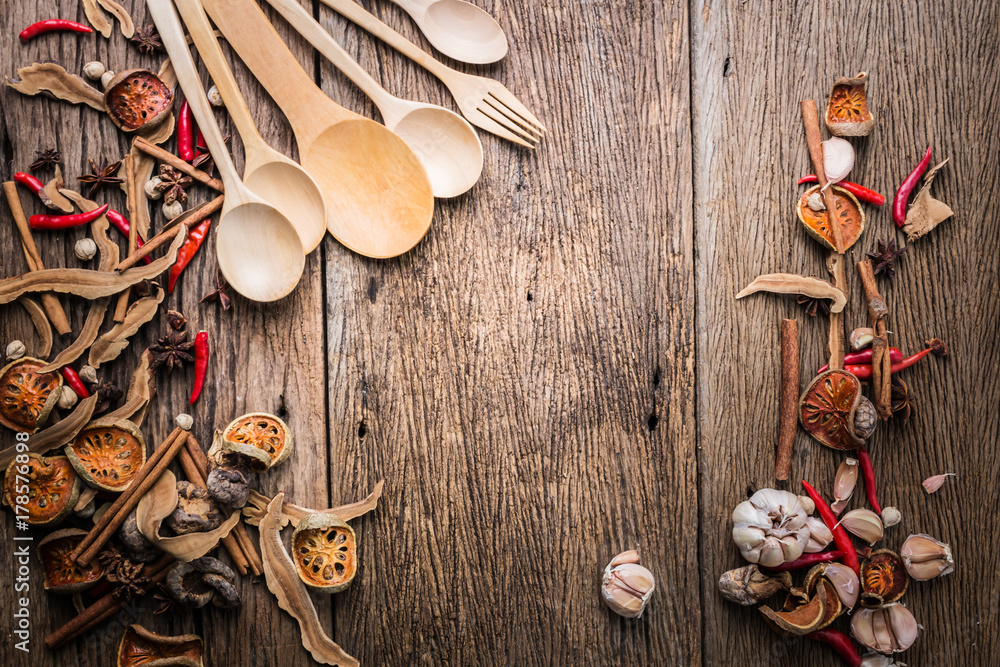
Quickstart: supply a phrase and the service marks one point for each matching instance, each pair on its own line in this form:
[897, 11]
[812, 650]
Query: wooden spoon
[444, 142]
[258, 249]
[379, 201]
[268, 173]
[458, 29]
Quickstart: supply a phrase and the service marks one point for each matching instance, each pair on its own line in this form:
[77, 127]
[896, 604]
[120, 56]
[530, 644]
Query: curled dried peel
[817, 223]
[790, 283]
[108, 456]
[141, 647]
[42, 441]
[802, 619]
[279, 572]
[137, 99]
[25, 394]
[257, 504]
[827, 409]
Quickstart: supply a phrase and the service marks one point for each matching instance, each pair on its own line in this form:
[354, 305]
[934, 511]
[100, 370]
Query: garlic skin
[932, 484]
[926, 558]
[815, 202]
[863, 523]
[85, 249]
[16, 350]
[887, 629]
[838, 159]
[843, 485]
[106, 78]
[94, 70]
[770, 528]
[891, 516]
[819, 535]
[627, 586]
[877, 660]
[845, 581]
[67, 398]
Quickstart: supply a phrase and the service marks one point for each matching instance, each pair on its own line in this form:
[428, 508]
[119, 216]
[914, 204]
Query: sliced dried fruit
[139, 646]
[847, 112]
[325, 551]
[108, 456]
[849, 214]
[827, 409]
[27, 396]
[61, 574]
[259, 432]
[137, 98]
[48, 486]
[883, 579]
[799, 621]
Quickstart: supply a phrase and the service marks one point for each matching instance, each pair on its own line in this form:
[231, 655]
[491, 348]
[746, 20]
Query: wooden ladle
[379, 200]
[458, 29]
[444, 142]
[258, 249]
[269, 174]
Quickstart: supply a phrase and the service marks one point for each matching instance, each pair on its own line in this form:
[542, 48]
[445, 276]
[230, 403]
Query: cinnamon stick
[106, 606]
[178, 164]
[53, 308]
[115, 516]
[789, 397]
[169, 231]
[133, 237]
[881, 360]
[810, 119]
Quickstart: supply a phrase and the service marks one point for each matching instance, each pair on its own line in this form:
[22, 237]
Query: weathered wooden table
[559, 371]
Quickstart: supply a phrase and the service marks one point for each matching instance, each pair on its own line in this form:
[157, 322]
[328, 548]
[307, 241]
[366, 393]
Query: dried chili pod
[136, 99]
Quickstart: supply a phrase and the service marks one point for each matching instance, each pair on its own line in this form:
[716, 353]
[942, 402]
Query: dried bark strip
[789, 414]
[881, 361]
[53, 78]
[56, 435]
[41, 322]
[116, 339]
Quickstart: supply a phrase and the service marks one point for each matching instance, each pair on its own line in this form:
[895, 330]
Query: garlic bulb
[770, 528]
[627, 586]
[838, 159]
[819, 535]
[887, 629]
[926, 558]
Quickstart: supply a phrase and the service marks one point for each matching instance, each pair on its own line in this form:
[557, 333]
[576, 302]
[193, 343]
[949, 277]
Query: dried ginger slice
[279, 571]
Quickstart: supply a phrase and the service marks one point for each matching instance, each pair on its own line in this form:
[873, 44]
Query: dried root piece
[789, 283]
[257, 504]
[53, 78]
[124, 20]
[97, 18]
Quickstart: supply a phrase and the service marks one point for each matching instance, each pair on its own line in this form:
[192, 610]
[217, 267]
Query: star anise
[111, 557]
[813, 306]
[101, 176]
[107, 394]
[886, 257]
[171, 350]
[902, 402]
[45, 159]
[147, 40]
[220, 292]
[128, 579]
[172, 184]
[163, 602]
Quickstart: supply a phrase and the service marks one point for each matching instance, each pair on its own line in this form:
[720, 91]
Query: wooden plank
[933, 75]
[522, 378]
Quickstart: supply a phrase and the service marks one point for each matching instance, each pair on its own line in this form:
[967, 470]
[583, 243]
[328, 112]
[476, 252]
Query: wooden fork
[484, 102]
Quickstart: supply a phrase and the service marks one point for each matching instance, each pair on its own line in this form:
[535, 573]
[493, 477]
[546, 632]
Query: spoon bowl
[289, 187]
[458, 29]
[445, 144]
[259, 251]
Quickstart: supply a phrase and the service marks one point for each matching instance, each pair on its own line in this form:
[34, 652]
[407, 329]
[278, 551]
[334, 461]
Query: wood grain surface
[559, 371]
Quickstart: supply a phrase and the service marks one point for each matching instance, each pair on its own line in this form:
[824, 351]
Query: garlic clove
[891, 516]
[747, 513]
[886, 629]
[845, 581]
[838, 159]
[926, 558]
[771, 554]
[844, 483]
[862, 338]
[815, 202]
[863, 523]
[903, 626]
[67, 398]
[793, 545]
[861, 627]
[876, 660]
[630, 556]
[883, 636]
[819, 536]
[747, 537]
[932, 484]
[15, 350]
[807, 504]
[627, 587]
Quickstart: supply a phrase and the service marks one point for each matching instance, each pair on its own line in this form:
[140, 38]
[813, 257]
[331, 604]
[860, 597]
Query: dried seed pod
[883, 579]
[770, 528]
[94, 70]
[819, 535]
[230, 486]
[325, 551]
[139, 646]
[137, 99]
[926, 558]
[16, 350]
[627, 586]
[849, 214]
[258, 432]
[847, 112]
[108, 456]
[888, 629]
[196, 510]
[67, 398]
[865, 419]
[827, 409]
[932, 484]
[27, 396]
[747, 585]
[85, 249]
[61, 574]
[843, 484]
[137, 547]
[864, 523]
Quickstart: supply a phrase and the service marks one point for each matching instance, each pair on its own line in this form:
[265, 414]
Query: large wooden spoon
[258, 249]
[268, 173]
[444, 142]
[458, 29]
[379, 200]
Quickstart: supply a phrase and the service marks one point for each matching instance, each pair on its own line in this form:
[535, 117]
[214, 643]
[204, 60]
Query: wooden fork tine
[496, 115]
[510, 119]
[484, 122]
[500, 92]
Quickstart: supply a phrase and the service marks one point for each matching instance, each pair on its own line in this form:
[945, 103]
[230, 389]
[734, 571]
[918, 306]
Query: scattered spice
[57, 222]
[813, 305]
[171, 351]
[200, 364]
[902, 197]
[926, 213]
[45, 159]
[74, 381]
[28, 181]
[173, 184]
[176, 321]
[865, 357]
[107, 393]
[902, 400]
[147, 40]
[123, 225]
[102, 175]
[935, 346]
[220, 293]
[868, 475]
[807, 560]
[886, 256]
[52, 25]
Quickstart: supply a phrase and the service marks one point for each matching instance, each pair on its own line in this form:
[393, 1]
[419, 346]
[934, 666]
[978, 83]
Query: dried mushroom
[61, 574]
[883, 579]
[45, 487]
[137, 547]
[137, 99]
[26, 395]
[259, 432]
[140, 647]
[325, 551]
[201, 581]
[108, 456]
[196, 510]
[229, 486]
[850, 217]
[747, 585]
[827, 409]
[847, 112]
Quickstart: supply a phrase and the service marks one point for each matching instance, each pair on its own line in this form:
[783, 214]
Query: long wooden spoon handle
[169, 26]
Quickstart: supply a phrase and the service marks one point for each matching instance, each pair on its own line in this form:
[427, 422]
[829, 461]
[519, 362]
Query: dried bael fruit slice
[827, 409]
[325, 551]
[137, 98]
[259, 432]
[108, 456]
[61, 574]
[883, 579]
[45, 487]
[799, 621]
[139, 646]
[817, 223]
[27, 396]
[847, 112]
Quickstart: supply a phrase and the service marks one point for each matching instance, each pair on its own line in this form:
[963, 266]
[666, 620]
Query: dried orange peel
[46, 488]
[61, 574]
[827, 409]
[263, 438]
[817, 223]
[137, 99]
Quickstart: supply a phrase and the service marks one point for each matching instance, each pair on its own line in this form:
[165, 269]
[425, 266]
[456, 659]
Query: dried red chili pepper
[185, 133]
[840, 536]
[74, 381]
[865, 357]
[907, 188]
[122, 224]
[194, 240]
[808, 560]
[866, 195]
[840, 643]
[868, 475]
[29, 181]
[45, 221]
[52, 25]
[864, 371]
[200, 364]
